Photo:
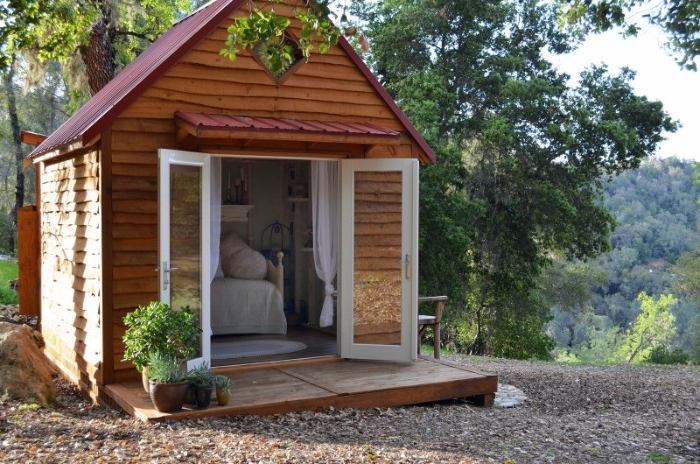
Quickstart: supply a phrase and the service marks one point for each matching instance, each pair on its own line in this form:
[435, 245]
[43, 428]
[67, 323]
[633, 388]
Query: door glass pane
[378, 260]
[185, 238]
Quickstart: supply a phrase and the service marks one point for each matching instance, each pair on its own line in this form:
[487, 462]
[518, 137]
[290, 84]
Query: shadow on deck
[322, 383]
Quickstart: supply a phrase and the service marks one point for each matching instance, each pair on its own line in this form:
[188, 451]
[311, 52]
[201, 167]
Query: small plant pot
[145, 381]
[202, 396]
[168, 397]
[222, 397]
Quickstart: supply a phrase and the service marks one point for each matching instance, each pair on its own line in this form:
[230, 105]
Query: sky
[658, 78]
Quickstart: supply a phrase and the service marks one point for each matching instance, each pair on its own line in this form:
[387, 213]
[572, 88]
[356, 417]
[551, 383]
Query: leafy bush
[660, 355]
[159, 328]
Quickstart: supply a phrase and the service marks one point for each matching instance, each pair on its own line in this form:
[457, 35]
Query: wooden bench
[425, 321]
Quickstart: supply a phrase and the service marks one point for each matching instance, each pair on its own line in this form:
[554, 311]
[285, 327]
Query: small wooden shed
[122, 188]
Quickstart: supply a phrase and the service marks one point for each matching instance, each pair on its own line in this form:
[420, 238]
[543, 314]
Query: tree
[655, 326]
[11, 99]
[679, 19]
[533, 151]
[98, 37]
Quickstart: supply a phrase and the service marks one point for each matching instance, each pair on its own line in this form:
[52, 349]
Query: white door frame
[202, 160]
[407, 349]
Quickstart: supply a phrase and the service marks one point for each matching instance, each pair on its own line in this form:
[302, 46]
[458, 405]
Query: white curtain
[324, 199]
[215, 228]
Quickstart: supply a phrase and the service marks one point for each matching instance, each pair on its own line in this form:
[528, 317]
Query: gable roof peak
[85, 126]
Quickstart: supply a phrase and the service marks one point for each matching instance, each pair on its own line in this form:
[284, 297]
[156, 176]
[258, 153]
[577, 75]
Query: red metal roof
[263, 124]
[86, 125]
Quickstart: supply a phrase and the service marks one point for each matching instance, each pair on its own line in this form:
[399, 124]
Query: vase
[202, 396]
[145, 380]
[222, 397]
[168, 397]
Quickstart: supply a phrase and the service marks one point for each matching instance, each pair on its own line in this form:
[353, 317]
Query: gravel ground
[573, 414]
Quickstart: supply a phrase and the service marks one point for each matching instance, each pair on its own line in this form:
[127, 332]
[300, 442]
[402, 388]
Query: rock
[25, 372]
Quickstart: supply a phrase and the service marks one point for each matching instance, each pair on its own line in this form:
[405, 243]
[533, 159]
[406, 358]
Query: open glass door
[184, 218]
[378, 291]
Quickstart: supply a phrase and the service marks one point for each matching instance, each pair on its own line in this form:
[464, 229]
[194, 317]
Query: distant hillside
[656, 208]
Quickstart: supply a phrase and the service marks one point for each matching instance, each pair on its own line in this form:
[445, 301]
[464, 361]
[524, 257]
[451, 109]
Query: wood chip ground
[573, 414]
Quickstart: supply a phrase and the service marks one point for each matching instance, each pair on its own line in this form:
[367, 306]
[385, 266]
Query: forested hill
[657, 213]
[656, 209]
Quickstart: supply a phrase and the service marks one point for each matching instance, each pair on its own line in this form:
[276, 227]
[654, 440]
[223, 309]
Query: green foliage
[265, 26]
[661, 355]
[157, 328]
[526, 153]
[679, 19]
[223, 383]
[61, 30]
[656, 214]
[200, 376]
[8, 272]
[659, 457]
[654, 326]
[164, 368]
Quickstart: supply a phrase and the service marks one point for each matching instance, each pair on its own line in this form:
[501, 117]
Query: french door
[377, 288]
[184, 222]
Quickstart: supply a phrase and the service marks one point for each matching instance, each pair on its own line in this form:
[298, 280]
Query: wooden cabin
[142, 190]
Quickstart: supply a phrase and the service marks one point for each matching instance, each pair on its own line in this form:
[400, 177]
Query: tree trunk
[478, 344]
[99, 55]
[17, 146]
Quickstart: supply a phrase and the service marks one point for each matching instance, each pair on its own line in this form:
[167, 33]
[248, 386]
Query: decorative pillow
[239, 261]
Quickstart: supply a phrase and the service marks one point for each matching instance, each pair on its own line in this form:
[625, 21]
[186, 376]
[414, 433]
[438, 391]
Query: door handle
[407, 263]
[166, 274]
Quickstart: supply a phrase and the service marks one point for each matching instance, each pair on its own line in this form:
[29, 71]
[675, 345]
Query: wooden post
[29, 260]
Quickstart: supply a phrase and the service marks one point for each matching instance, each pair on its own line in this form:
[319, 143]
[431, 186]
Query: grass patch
[8, 271]
[658, 457]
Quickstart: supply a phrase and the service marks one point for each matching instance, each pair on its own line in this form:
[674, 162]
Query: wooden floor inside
[317, 379]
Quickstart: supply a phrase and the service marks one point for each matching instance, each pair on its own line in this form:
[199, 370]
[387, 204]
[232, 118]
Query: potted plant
[167, 382]
[159, 328]
[223, 389]
[201, 382]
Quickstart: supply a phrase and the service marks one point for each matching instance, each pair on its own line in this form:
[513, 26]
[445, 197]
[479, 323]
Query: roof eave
[99, 123]
[345, 45]
[54, 152]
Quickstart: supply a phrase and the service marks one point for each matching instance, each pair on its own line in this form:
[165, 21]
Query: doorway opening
[266, 209]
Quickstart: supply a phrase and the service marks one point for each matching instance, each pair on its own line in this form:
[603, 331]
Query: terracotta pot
[222, 397]
[145, 381]
[168, 397]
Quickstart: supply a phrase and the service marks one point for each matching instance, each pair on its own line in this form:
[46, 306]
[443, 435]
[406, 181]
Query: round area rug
[251, 348]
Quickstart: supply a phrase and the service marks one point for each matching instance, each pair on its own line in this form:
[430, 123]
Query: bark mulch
[573, 414]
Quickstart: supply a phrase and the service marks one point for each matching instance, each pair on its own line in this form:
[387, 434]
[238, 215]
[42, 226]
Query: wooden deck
[322, 383]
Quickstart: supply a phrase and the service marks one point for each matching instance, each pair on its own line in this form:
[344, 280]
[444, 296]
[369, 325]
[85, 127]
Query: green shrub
[157, 328]
[660, 355]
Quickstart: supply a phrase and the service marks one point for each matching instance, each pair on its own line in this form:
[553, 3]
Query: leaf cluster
[157, 328]
[200, 376]
[679, 19]
[266, 27]
[164, 368]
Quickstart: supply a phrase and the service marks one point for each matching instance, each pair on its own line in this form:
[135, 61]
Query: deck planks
[324, 384]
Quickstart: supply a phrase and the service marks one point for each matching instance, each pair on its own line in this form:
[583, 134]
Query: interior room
[259, 314]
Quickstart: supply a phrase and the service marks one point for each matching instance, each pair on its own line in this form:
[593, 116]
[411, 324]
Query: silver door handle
[166, 274]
